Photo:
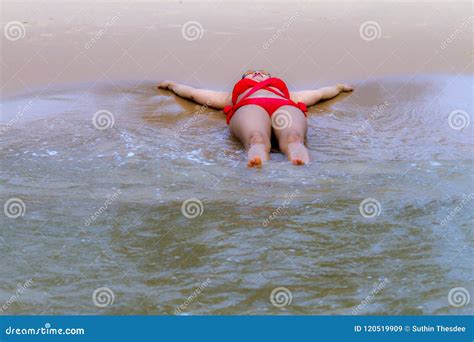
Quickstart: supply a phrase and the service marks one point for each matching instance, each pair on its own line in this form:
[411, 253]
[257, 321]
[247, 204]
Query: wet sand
[307, 44]
[394, 139]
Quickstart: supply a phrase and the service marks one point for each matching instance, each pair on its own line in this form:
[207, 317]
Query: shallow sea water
[257, 229]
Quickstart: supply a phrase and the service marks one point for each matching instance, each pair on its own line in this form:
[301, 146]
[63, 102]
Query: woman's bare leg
[290, 132]
[253, 127]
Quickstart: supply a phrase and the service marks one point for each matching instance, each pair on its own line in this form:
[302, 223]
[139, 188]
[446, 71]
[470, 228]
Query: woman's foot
[298, 154]
[257, 154]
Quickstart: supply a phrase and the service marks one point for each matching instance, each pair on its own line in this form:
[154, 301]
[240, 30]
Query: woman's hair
[245, 74]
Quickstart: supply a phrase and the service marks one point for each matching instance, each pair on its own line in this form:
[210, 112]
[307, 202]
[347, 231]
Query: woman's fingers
[164, 84]
[345, 87]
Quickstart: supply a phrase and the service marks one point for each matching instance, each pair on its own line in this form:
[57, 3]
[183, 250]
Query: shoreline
[324, 43]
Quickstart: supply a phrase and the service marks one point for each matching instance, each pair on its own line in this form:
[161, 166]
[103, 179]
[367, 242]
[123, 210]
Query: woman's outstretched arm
[214, 99]
[311, 97]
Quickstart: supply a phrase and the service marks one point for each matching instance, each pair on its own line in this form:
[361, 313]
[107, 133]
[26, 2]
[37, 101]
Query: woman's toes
[255, 162]
[298, 154]
[298, 161]
[257, 154]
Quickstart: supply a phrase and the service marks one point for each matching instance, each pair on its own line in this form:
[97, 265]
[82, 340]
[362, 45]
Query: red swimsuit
[268, 103]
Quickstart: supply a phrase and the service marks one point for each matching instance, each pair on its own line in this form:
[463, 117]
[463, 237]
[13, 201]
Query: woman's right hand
[165, 85]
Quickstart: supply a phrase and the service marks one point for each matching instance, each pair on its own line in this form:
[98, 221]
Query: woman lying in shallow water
[258, 105]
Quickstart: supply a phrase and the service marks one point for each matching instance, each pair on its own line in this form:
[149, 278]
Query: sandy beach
[308, 44]
[101, 206]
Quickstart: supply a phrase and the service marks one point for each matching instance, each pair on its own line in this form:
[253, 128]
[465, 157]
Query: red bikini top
[246, 83]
